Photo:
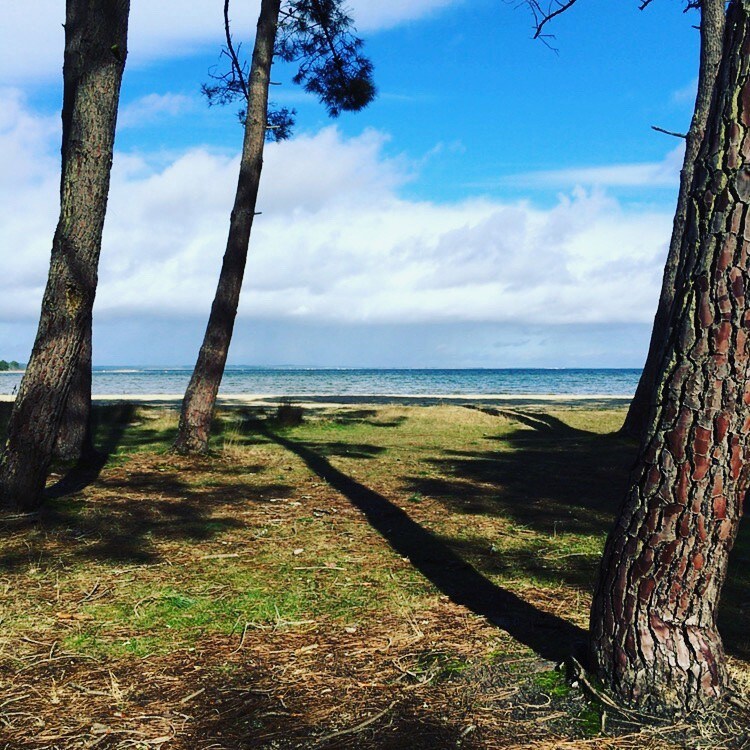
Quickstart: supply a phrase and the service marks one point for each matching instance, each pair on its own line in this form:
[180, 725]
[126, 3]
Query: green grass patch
[552, 683]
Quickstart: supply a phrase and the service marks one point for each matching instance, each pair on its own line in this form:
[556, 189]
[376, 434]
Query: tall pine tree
[317, 35]
[95, 51]
[654, 639]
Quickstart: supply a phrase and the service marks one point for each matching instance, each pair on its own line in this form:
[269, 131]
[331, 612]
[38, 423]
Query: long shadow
[552, 478]
[346, 449]
[108, 426]
[535, 420]
[550, 636]
[368, 417]
[557, 479]
[131, 516]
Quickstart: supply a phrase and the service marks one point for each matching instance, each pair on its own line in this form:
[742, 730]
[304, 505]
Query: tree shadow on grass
[555, 479]
[345, 449]
[109, 428]
[550, 636]
[735, 598]
[132, 514]
[109, 424]
[255, 719]
[367, 416]
[552, 478]
[546, 477]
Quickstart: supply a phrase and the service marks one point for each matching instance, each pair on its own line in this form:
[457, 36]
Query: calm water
[288, 382]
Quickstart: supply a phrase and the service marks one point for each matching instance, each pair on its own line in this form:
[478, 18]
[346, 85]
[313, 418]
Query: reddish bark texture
[653, 624]
[95, 51]
[200, 398]
[712, 32]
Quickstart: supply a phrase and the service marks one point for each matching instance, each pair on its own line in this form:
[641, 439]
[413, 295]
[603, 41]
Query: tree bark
[95, 51]
[200, 398]
[74, 440]
[654, 640]
[712, 32]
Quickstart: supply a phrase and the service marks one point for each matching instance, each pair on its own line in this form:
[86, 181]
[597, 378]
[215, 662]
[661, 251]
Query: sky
[502, 203]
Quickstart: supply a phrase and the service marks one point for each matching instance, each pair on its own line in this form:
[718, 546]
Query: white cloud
[28, 139]
[154, 107]
[160, 30]
[335, 242]
[29, 185]
[662, 174]
[387, 13]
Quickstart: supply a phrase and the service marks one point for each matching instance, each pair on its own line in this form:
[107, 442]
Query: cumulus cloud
[336, 240]
[161, 30]
[29, 185]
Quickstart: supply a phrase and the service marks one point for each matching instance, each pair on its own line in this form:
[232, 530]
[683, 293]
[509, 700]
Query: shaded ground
[375, 577]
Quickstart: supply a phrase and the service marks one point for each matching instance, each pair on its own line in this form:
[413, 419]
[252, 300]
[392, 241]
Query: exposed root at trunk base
[724, 725]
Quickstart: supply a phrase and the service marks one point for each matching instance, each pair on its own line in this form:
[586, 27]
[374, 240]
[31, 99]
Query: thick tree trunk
[200, 397]
[712, 32]
[74, 439]
[653, 623]
[95, 50]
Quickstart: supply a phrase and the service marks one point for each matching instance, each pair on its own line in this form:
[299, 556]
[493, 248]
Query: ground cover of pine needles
[376, 576]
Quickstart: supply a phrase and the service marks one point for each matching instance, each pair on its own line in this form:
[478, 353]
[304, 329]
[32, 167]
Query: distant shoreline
[258, 399]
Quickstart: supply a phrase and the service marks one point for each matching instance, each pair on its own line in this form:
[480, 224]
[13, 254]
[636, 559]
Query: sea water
[361, 382]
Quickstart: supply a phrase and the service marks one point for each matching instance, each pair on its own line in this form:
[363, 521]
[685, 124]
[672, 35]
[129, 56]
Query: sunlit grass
[163, 555]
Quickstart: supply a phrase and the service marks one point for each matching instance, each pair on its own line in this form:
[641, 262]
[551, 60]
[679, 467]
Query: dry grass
[376, 577]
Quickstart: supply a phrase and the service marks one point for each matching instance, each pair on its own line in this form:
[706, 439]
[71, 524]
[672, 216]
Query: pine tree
[316, 35]
[95, 52]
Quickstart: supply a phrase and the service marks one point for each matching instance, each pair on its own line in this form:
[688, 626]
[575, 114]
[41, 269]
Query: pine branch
[236, 66]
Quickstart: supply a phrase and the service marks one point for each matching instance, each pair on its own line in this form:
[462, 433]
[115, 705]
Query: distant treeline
[12, 365]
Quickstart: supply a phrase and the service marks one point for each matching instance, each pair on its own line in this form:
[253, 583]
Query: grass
[316, 570]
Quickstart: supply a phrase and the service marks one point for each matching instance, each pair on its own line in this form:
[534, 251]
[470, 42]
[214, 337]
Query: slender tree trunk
[74, 439]
[200, 397]
[95, 50]
[712, 32]
[653, 623]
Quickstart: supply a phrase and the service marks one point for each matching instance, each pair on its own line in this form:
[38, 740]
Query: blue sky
[500, 204]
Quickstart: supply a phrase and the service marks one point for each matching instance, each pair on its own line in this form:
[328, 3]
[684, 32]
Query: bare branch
[668, 132]
[542, 17]
[555, 8]
[232, 53]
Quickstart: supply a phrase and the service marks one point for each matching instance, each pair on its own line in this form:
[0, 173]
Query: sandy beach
[265, 399]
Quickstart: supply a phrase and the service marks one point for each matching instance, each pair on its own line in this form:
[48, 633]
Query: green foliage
[318, 36]
[280, 121]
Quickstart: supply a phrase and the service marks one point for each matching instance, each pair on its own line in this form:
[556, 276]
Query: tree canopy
[319, 37]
